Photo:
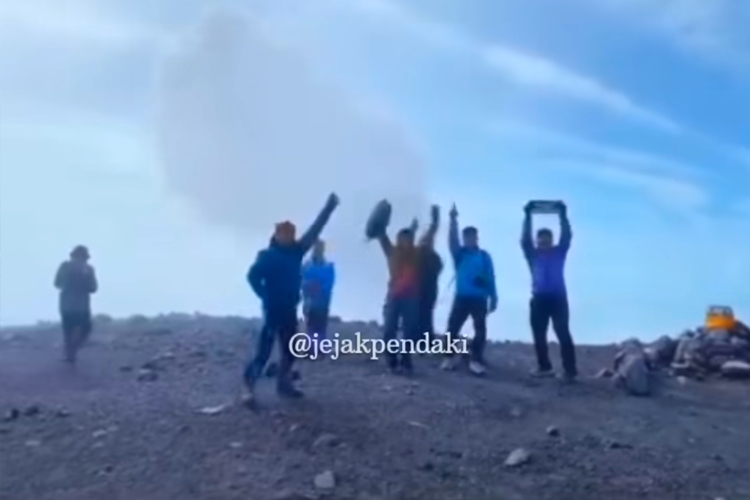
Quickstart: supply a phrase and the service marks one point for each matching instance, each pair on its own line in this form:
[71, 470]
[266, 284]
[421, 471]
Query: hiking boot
[477, 368]
[286, 390]
[248, 393]
[568, 378]
[540, 373]
[448, 365]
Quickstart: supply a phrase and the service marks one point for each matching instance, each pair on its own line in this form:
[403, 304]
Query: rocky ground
[149, 413]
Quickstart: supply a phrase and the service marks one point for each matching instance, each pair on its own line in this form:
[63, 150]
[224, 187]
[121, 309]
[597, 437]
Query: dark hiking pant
[76, 328]
[317, 322]
[426, 318]
[400, 311]
[463, 308]
[282, 324]
[544, 308]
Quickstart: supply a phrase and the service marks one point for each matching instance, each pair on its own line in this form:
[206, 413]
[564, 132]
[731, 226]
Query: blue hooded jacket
[475, 272]
[318, 278]
[276, 275]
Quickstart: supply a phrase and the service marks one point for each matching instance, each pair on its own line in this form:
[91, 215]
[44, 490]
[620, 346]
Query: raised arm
[527, 244]
[566, 234]
[453, 244]
[256, 275]
[385, 244]
[313, 232]
[428, 238]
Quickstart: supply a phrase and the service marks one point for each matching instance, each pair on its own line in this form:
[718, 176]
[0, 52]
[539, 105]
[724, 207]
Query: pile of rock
[700, 352]
[696, 353]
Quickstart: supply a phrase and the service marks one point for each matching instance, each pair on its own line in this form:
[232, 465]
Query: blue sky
[637, 113]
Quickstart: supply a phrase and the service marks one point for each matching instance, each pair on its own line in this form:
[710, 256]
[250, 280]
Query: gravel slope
[101, 433]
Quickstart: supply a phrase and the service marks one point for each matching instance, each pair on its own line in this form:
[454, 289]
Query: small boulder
[32, 411]
[325, 480]
[518, 457]
[736, 369]
[553, 431]
[11, 415]
[326, 441]
[146, 375]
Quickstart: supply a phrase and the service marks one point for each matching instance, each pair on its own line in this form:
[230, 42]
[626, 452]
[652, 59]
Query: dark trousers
[401, 311]
[317, 322]
[555, 307]
[281, 323]
[476, 307]
[76, 328]
[425, 317]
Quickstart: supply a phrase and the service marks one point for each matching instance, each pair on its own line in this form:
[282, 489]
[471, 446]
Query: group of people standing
[280, 279]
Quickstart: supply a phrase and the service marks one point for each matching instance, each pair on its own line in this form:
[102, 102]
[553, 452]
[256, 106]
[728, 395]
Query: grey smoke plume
[252, 136]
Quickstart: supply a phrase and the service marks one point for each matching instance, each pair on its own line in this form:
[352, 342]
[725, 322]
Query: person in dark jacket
[76, 280]
[276, 278]
[476, 292]
[430, 267]
[549, 294]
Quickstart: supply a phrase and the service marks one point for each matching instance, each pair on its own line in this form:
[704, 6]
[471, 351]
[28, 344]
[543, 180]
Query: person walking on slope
[476, 292]
[76, 280]
[549, 295]
[276, 277]
[402, 298]
[318, 279]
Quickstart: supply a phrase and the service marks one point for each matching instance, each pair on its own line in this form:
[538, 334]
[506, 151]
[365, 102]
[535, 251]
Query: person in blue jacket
[318, 279]
[476, 293]
[276, 278]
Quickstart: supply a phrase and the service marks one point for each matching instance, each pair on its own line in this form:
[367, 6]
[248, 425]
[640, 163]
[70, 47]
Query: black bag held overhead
[545, 206]
[379, 219]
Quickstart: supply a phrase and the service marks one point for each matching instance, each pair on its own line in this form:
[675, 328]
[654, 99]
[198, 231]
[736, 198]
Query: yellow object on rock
[720, 318]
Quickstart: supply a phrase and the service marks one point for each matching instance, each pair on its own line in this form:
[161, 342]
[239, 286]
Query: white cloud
[567, 144]
[715, 28]
[669, 192]
[535, 71]
[251, 137]
[525, 69]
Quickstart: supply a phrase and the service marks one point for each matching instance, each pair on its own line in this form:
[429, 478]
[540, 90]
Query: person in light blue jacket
[476, 293]
[318, 279]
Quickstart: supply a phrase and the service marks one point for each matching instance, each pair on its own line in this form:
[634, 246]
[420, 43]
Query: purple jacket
[547, 266]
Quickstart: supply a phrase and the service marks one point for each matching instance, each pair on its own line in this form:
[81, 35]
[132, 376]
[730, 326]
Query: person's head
[470, 237]
[544, 239]
[80, 254]
[405, 238]
[319, 250]
[285, 233]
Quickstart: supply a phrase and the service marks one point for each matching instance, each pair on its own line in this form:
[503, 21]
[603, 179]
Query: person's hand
[414, 225]
[333, 199]
[454, 212]
[435, 213]
[527, 208]
[493, 304]
[563, 209]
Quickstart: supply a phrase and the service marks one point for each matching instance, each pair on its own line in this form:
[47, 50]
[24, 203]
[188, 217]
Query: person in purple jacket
[549, 299]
